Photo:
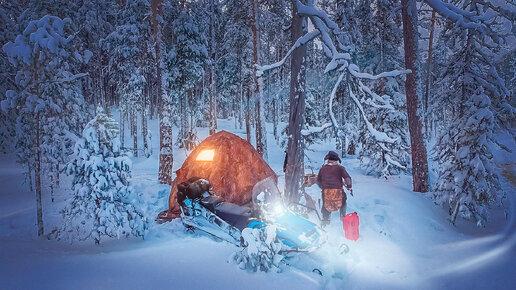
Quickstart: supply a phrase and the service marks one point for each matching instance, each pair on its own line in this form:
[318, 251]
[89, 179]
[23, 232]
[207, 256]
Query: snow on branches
[260, 252]
[103, 202]
[477, 20]
[468, 180]
[339, 53]
[474, 102]
[48, 100]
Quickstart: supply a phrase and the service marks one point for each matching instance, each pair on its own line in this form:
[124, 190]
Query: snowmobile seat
[235, 215]
[210, 202]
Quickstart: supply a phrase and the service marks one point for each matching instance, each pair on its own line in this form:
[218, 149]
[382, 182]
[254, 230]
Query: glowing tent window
[206, 155]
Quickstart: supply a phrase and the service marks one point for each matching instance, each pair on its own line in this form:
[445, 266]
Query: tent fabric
[236, 167]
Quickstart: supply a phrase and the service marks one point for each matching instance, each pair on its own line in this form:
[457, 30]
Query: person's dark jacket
[333, 176]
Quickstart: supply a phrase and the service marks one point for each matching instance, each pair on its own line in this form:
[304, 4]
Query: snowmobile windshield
[266, 191]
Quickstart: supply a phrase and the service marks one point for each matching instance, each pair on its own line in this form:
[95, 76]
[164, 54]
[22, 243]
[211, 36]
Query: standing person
[331, 179]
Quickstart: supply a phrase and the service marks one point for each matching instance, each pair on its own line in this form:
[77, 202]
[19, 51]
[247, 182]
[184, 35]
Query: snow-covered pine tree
[387, 113]
[348, 18]
[275, 42]
[468, 180]
[261, 251]
[368, 43]
[60, 127]
[185, 64]
[9, 11]
[212, 112]
[318, 86]
[474, 99]
[383, 104]
[237, 63]
[97, 19]
[131, 64]
[103, 202]
[48, 101]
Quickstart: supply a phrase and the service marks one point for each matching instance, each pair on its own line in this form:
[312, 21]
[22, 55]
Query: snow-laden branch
[455, 14]
[260, 69]
[323, 23]
[389, 159]
[332, 97]
[354, 70]
[378, 136]
[340, 61]
[314, 130]
[322, 19]
[376, 98]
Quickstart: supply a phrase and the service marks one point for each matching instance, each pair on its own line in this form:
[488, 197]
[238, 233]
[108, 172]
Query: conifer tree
[103, 202]
[48, 101]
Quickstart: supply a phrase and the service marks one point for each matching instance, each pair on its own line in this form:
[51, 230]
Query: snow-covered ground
[406, 241]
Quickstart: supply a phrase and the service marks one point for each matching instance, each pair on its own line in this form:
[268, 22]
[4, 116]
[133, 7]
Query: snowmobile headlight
[278, 209]
[206, 155]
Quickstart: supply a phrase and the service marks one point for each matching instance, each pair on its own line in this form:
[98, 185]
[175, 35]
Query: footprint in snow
[381, 202]
[379, 219]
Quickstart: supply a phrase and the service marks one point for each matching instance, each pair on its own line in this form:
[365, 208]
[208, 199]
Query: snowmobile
[205, 211]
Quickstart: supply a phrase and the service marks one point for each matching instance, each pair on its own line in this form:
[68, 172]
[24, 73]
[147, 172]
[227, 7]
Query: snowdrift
[229, 163]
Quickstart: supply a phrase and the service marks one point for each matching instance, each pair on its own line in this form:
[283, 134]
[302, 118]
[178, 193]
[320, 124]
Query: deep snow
[406, 241]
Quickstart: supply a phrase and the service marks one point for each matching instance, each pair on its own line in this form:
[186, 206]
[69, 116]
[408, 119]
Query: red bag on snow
[350, 223]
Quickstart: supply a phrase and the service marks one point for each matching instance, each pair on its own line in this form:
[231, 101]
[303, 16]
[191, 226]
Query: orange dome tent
[229, 163]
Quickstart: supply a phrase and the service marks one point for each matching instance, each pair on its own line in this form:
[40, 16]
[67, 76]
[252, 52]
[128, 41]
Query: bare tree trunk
[248, 116]
[240, 105]
[144, 123]
[122, 126]
[134, 131]
[52, 186]
[37, 176]
[57, 175]
[166, 150]
[213, 72]
[97, 219]
[275, 118]
[428, 72]
[261, 137]
[455, 210]
[295, 149]
[417, 144]
[29, 173]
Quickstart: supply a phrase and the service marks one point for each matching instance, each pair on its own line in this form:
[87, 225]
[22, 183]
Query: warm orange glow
[206, 155]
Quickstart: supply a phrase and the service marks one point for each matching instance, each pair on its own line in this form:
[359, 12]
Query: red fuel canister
[350, 223]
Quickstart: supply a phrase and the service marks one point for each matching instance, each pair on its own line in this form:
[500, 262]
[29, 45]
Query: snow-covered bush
[103, 202]
[260, 252]
[468, 182]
